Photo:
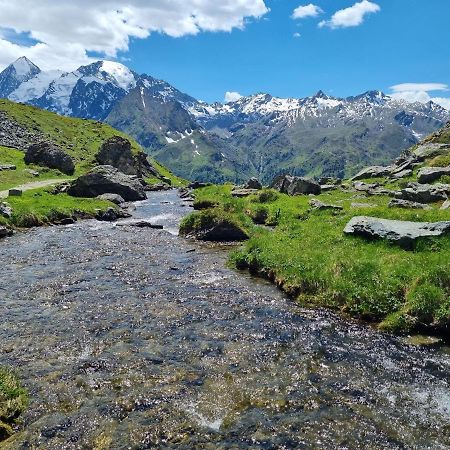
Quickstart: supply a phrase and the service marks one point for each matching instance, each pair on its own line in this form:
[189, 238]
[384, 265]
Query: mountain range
[258, 135]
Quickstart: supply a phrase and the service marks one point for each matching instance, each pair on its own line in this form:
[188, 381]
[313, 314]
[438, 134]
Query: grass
[13, 401]
[40, 207]
[308, 256]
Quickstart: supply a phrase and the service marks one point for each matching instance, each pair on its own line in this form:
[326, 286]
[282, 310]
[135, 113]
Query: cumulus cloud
[67, 30]
[310, 10]
[232, 96]
[420, 92]
[352, 16]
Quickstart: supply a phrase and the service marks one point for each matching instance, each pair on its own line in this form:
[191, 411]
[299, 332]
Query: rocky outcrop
[114, 198]
[290, 185]
[317, 204]
[243, 192]
[107, 180]
[253, 183]
[430, 174]
[49, 155]
[430, 150]
[117, 152]
[14, 135]
[372, 172]
[402, 233]
[398, 203]
[424, 193]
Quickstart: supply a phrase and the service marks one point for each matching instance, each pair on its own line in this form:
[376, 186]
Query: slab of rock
[243, 192]
[362, 205]
[5, 210]
[253, 183]
[317, 204]
[107, 180]
[430, 174]
[372, 172]
[287, 184]
[424, 193]
[402, 233]
[14, 192]
[114, 198]
[7, 167]
[328, 187]
[445, 205]
[140, 224]
[5, 231]
[402, 174]
[398, 203]
[430, 150]
[49, 155]
[33, 173]
[198, 185]
[360, 186]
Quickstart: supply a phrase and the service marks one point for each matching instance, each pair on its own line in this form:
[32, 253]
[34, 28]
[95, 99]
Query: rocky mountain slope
[259, 135]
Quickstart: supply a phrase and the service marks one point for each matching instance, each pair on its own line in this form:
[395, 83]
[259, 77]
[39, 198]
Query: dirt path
[34, 185]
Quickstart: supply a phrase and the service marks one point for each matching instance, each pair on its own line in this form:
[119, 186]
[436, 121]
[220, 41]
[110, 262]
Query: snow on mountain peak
[24, 68]
[122, 74]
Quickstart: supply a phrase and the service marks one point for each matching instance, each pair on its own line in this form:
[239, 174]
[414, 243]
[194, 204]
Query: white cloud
[419, 92]
[66, 30]
[232, 96]
[352, 16]
[306, 11]
[297, 35]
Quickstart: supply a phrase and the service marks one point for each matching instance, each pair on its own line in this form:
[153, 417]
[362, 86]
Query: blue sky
[399, 41]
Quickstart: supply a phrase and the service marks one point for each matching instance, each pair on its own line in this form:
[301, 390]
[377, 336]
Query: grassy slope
[307, 254]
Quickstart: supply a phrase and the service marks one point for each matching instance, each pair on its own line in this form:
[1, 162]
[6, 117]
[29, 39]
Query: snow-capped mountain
[255, 135]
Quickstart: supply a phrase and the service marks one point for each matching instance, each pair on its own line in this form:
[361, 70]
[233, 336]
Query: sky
[216, 50]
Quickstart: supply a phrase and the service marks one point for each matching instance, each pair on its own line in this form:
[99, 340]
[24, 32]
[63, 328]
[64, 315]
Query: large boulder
[399, 232]
[49, 155]
[253, 183]
[290, 185]
[372, 172]
[430, 174]
[117, 152]
[424, 193]
[107, 180]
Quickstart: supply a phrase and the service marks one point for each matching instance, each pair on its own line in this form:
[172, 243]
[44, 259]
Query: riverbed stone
[107, 180]
[402, 233]
[49, 155]
[5, 231]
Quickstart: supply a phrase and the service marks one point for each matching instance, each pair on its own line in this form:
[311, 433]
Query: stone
[33, 173]
[430, 150]
[253, 183]
[317, 204]
[243, 192]
[157, 187]
[117, 152]
[402, 233]
[5, 210]
[372, 172]
[114, 198]
[5, 232]
[362, 205]
[402, 174]
[15, 192]
[198, 185]
[111, 214]
[329, 181]
[424, 193]
[430, 174]
[140, 224]
[7, 167]
[328, 187]
[360, 186]
[107, 180]
[290, 185]
[67, 221]
[445, 205]
[398, 203]
[49, 155]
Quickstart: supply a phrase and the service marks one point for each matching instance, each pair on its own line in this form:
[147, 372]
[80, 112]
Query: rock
[198, 185]
[362, 205]
[166, 180]
[111, 214]
[330, 181]
[360, 186]
[114, 198]
[430, 174]
[424, 193]
[317, 204]
[33, 173]
[445, 205]
[141, 224]
[399, 232]
[5, 210]
[243, 192]
[7, 167]
[398, 203]
[287, 184]
[5, 231]
[185, 194]
[107, 180]
[157, 187]
[372, 172]
[15, 192]
[430, 150]
[67, 221]
[402, 174]
[49, 155]
[253, 183]
[328, 187]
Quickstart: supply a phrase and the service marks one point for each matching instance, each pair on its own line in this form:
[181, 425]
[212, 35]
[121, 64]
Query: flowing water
[133, 338]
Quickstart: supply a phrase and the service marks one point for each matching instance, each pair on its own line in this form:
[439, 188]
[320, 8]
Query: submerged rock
[5, 231]
[107, 180]
[290, 185]
[49, 155]
[402, 233]
[430, 174]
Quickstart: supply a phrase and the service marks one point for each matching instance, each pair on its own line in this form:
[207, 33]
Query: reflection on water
[126, 338]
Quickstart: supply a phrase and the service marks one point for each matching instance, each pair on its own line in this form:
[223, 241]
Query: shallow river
[135, 338]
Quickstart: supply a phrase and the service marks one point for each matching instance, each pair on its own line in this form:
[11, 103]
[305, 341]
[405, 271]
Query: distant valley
[258, 135]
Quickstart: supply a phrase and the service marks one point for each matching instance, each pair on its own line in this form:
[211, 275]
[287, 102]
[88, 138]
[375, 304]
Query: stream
[134, 338]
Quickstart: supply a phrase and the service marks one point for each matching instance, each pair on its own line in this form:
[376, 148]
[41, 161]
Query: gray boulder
[317, 204]
[398, 203]
[49, 155]
[5, 231]
[5, 210]
[287, 184]
[372, 172]
[7, 167]
[402, 233]
[430, 174]
[362, 205]
[402, 174]
[243, 192]
[424, 193]
[14, 192]
[114, 198]
[253, 183]
[430, 150]
[445, 205]
[107, 180]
